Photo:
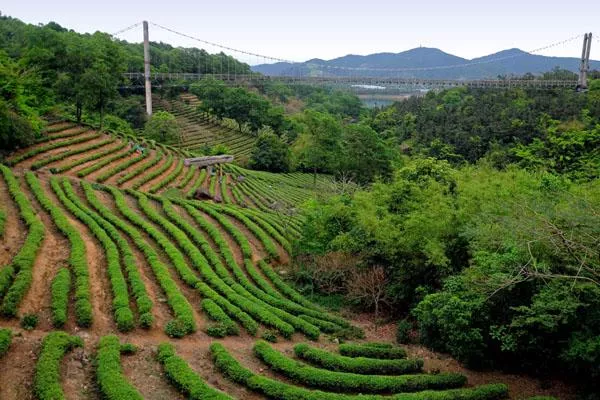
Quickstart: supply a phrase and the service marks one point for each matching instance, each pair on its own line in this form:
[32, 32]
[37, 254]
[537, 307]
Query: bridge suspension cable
[126, 29]
[406, 69]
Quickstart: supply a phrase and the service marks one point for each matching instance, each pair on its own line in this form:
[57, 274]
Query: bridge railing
[383, 82]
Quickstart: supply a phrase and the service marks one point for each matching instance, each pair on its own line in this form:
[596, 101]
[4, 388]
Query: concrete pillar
[148, 85]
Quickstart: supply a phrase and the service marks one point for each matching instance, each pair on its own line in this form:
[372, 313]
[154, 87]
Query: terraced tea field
[199, 130]
[115, 283]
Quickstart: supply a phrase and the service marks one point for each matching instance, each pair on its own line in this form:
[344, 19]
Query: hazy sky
[300, 30]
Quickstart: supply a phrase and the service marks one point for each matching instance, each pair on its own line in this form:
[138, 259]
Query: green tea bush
[111, 380]
[279, 390]
[15, 278]
[370, 351]
[184, 378]
[358, 365]
[46, 381]
[5, 340]
[348, 382]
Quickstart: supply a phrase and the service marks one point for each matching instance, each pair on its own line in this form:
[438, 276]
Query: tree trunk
[101, 117]
[78, 112]
[315, 177]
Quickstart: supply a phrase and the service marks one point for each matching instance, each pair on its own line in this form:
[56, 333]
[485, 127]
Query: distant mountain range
[424, 62]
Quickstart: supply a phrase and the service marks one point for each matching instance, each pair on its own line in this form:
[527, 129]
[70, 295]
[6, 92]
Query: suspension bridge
[360, 80]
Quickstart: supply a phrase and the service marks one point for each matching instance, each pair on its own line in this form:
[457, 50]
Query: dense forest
[471, 216]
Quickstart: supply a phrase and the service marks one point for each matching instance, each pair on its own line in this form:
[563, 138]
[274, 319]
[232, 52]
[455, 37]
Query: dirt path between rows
[53, 254]
[15, 231]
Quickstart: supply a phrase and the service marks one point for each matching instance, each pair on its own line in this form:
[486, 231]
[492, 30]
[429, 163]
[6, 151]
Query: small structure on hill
[208, 160]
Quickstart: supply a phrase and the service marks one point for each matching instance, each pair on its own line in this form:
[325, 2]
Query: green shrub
[279, 390]
[269, 336]
[55, 145]
[29, 321]
[371, 351]
[22, 263]
[216, 313]
[217, 331]
[186, 380]
[128, 349]
[187, 178]
[197, 183]
[123, 315]
[178, 303]
[77, 256]
[358, 365]
[120, 167]
[403, 331]
[348, 382]
[138, 288]
[169, 178]
[46, 381]
[153, 173]
[60, 288]
[248, 305]
[141, 169]
[91, 157]
[103, 163]
[5, 340]
[61, 156]
[111, 380]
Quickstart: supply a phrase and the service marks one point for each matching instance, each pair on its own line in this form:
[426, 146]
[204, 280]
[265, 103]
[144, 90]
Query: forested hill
[510, 62]
[50, 46]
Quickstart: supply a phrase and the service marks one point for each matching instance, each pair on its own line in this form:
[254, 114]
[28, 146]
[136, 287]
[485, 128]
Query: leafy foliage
[46, 381]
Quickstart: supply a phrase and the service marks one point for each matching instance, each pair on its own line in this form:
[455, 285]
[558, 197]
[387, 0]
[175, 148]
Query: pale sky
[306, 29]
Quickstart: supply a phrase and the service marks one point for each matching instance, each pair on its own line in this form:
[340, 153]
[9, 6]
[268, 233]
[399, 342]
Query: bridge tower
[148, 85]
[585, 62]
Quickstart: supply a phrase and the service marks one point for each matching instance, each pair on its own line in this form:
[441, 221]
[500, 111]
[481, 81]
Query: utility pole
[148, 85]
[585, 62]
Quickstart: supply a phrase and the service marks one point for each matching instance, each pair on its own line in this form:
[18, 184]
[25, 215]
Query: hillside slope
[125, 294]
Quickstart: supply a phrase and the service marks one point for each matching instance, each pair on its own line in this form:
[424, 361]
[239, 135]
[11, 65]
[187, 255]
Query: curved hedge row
[260, 203]
[60, 288]
[120, 167]
[153, 174]
[226, 283]
[265, 239]
[291, 292]
[113, 384]
[186, 380]
[120, 305]
[91, 157]
[141, 169]
[169, 178]
[224, 194]
[215, 313]
[61, 156]
[22, 263]
[77, 256]
[46, 381]
[42, 149]
[138, 289]
[360, 365]
[197, 183]
[348, 382]
[259, 229]
[282, 391]
[237, 196]
[5, 340]
[201, 264]
[57, 127]
[184, 322]
[212, 186]
[95, 167]
[187, 177]
[370, 351]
